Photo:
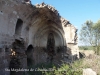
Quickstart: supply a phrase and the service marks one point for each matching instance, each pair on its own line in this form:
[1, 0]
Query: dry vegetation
[75, 68]
[93, 62]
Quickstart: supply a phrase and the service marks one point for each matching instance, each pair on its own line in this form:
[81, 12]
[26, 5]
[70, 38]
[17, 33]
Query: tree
[96, 29]
[86, 33]
[90, 35]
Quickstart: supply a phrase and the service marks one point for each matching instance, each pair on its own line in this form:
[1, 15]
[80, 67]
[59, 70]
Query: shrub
[51, 69]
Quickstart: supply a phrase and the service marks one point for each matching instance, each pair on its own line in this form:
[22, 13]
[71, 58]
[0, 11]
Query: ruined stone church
[34, 34]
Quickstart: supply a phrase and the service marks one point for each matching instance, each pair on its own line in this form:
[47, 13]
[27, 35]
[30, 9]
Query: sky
[75, 11]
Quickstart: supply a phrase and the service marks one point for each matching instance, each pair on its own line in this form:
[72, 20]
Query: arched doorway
[50, 46]
[18, 27]
[29, 53]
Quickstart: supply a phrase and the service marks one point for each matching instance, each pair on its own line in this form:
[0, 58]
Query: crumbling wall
[71, 37]
[19, 20]
[10, 12]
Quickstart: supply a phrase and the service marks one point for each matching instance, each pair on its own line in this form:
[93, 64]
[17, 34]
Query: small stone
[89, 71]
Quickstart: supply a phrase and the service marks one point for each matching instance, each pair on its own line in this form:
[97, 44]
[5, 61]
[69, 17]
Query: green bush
[51, 69]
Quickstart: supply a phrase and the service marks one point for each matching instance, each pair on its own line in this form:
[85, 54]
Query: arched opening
[50, 46]
[18, 27]
[29, 53]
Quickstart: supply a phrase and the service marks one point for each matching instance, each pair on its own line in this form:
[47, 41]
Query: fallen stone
[89, 71]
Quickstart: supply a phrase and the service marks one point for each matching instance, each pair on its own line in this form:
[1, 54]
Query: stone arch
[41, 33]
[18, 28]
[45, 27]
[56, 35]
[29, 53]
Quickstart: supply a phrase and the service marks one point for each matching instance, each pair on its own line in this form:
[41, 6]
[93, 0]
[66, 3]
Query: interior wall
[38, 34]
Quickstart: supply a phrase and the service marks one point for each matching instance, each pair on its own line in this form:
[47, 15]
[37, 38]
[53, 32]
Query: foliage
[51, 69]
[97, 37]
[86, 34]
[74, 68]
[90, 35]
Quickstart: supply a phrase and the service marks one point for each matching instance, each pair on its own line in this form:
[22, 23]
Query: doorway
[29, 53]
[50, 46]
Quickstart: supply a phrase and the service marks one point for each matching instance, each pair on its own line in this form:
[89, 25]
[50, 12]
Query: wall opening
[18, 27]
[50, 47]
[29, 53]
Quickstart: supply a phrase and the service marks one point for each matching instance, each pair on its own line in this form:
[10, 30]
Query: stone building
[32, 34]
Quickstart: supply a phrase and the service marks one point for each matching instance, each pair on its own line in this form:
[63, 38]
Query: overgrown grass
[51, 69]
[74, 68]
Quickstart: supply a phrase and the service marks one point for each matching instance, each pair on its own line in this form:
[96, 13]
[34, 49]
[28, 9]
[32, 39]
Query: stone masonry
[32, 34]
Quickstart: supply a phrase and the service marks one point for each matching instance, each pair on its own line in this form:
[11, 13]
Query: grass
[51, 69]
[93, 62]
[74, 68]
[86, 48]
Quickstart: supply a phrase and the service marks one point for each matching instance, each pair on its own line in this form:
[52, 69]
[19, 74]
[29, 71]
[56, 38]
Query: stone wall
[71, 37]
[4, 60]
[31, 25]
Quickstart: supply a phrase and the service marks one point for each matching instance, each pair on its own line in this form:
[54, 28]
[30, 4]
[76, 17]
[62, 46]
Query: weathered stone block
[89, 71]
